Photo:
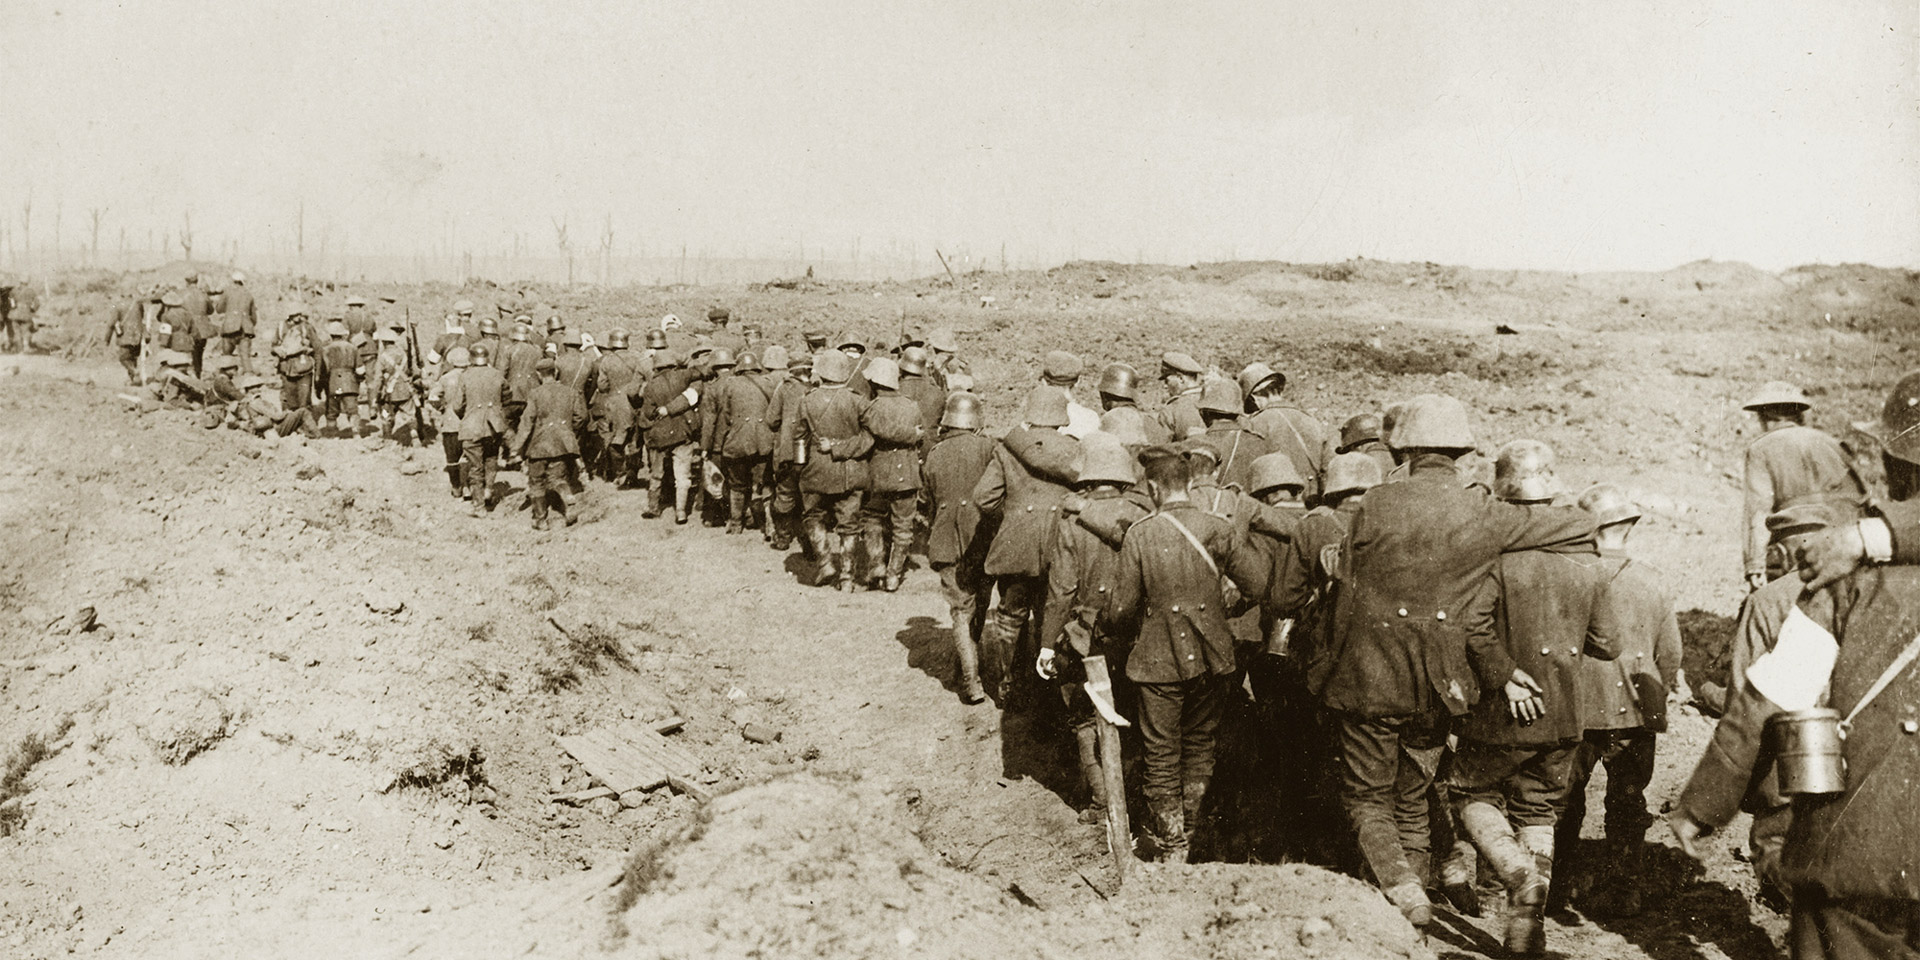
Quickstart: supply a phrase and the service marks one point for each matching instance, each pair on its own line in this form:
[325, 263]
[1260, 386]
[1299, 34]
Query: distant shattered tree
[94, 215]
[565, 245]
[186, 236]
[606, 252]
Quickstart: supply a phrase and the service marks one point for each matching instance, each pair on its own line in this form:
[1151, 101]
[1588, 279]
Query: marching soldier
[612, 409]
[1024, 486]
[478, 397]
[296, 345]
[958, 540]
[389, 389]
[546, 439]
[489, 337]
[893, 490]
[1123, 418]
[194, 301]
[1181, 416]
[1167, 597]
[666, 418]
[1511, 772]
[1062, 370]
[737, 435]
[1287, 428]
[1220, 406]
[580, 373]
[176, 326]
[441, 398]
[1362, 434]
[783, 418]
[516, 362]
[1791, 463]
[721, 336]
[126, 331]
[915, 385]
[833, 478]
[454, 331]
[340, 379]
[944, 348]
[358, 320]
[241, 319]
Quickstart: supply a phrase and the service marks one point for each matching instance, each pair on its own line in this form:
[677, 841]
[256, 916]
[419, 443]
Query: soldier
[389, 389]
[833, 477]
[175, 325]
[945, 354]
[1623, 703]
[1851, 857]
[815, 339]
[193, 300]
[1181, 416]
[1080, 574]
[220, 391]
[479, 399]
[546, 439]
[893, 490]
[516, 362]
[263, 411]
[1123, 418]
[556, 335]
[1511, 772]
[665, 415]
[581, 373]
[1062, 370]
[1362, 434]
[490, 338]
[1220, 404]
[783, 418]
[7, 294]
[454, 331]
[358, 320]
[127, 330]
[958, 539]
[612, 411]
[1285, 427]
[340, 379]
[915, 385]
[296, 345]
[736, 434]
[241, 319]
[1393, 681]
[1023, 487]
[855, 349]
[1167, 598]
[719, 318]
[449, 422]
[1791, 463]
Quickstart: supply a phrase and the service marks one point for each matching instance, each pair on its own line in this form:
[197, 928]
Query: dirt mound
[806, 866]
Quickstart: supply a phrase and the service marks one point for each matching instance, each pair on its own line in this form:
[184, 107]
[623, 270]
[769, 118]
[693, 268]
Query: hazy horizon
[1633, 136]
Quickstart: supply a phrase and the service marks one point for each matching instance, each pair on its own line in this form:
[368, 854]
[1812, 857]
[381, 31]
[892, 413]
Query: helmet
[849, 339]
[616, 339]
[1046, 407]
[1220, 396]
[832, 366]
[1358, 429]
[774, 358]
[882, 372]
[572, 338]
[478, 354]
[1351, 473]
[1778, 393]
[193, 276]
[1061, 367]
[463, 307]
[1524, 471]
[172, 298]
[1898, 428]
[1257, 375]
[721, 357]
[1104, 459]
[1609, 504]
[459, 357]
[719, 314]
[488, 327]
[748, 361]
[555, 324]
[914, 360]
[386, 336]
[961, 381]
[943, 340]
[962, 412]
[1275, 470]
[336, 329]
[665, 357]
[1432, 421]
[669, 322]
[1117, 381]
[801, 361]
[522, 333]
[814, 338]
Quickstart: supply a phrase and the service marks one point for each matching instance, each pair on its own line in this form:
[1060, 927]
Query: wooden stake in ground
[943, 264]
[1107, 723]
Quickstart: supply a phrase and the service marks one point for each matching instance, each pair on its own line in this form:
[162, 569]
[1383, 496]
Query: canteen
[1807, 746]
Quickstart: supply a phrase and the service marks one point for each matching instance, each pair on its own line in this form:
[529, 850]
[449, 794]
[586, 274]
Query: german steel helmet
[617, 340]
[1256, 375]
[962, 412]
[1609, 504]
[1898, 428]
[1524, 471]
[1117, 381]
[1358, 429]
[1046, 406]
[883, 372]
[1220, 396]
[913, 360]
[522, 333]
[721, 357]
[1104, 459]
[1352, 473]
[1432, 421]
[1778, 393]
[1275, 470]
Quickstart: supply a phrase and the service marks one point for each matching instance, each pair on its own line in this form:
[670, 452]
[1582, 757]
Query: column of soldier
[1447, 651]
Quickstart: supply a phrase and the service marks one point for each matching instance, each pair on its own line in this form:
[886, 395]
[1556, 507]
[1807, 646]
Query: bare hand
[1831, 554]
[1045, 666]
[1523, 697]
[1755, 581]
[1687, 832]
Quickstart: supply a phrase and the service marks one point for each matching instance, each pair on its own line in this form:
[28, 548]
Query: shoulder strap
[1901, 662]
[1197, 545]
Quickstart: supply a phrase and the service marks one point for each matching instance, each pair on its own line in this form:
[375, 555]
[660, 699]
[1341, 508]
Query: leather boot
[1193, 795]
[896, 568]
[873, 539]
[1170, 830]
[680, 499]
[736, 511]
[1087, 739]
[843, 559]
[1410, 898]
[997, 642]
[782, 525]
[1456, 879]
[1527, 921]
[1493, 836]
[829, 569]
[966, 655]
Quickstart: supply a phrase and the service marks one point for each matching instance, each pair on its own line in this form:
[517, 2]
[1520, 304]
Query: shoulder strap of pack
[1197, 545]
[1901, 662]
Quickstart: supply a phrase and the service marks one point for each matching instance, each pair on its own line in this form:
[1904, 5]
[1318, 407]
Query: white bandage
[1794, 674]
[693, 397]
[1878, 538]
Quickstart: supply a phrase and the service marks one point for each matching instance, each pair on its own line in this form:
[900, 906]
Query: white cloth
[1795, 673]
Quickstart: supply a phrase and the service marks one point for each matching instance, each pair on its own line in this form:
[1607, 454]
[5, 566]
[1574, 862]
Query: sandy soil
[317, 715]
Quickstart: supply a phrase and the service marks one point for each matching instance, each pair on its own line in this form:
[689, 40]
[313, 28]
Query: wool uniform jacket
[478, 397]
[241, 316]
[612, 410]
[577, 370]
[949, 476]
[783, 416]
[1239, 447]
[193, 300]
[738, 427]
[832, 413]
[1302, 438]
[932, 400]
[1126, 419]
[1181, 416]
[1648, 636]
[1792, 466]
[550, 426]
[337, 362]
[1081, 574]
[1550, 613]
[668, 390]
[894, 422]
[128, 325]
[1024, 485]
[1417, 557]
[181, 325]
[1166, 596]
[1861, 843]
[516, 362]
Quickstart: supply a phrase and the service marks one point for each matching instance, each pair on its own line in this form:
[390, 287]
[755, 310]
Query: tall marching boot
[896, 567]
[736, 511]
[1193, 796]
[1170, 829]
[873, 540]
[1457, 876]
[1527, 921]
[966, 656]
[828, 571]
[1087, 739]
[843, 558]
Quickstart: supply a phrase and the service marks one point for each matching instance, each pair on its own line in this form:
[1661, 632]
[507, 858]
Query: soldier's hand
[1523, 697]
[1755, 581]
[1687, 832]
[1045, 666]
[1831, 554]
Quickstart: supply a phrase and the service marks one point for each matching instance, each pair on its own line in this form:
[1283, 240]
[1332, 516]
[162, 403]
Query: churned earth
[314, 709]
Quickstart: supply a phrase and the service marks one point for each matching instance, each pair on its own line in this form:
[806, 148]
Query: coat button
[1189, 656]
[1619, 683]
[1545, 652]
[1623, 709]
[1203, 606]
[1402, 611]
[1439, 614]
[1176, 608]
[1103, 588]
[1910, 727]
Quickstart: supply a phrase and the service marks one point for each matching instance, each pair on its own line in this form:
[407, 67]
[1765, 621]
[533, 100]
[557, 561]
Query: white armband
[1794, 674]
[1878, 538]
[693, 397]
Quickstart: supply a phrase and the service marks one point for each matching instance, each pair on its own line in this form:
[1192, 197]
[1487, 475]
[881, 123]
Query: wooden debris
[625, 757]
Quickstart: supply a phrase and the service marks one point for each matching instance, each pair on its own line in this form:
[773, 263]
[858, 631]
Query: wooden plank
[691, 789]
[581, 796]
[674, 757]
[1119, 832]
[628, 769]
[669, 725]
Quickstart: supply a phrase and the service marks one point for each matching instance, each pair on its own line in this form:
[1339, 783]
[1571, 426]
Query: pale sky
[1583, 136]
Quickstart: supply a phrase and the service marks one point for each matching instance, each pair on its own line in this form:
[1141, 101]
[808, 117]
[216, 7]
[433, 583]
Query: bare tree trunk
[186, 236]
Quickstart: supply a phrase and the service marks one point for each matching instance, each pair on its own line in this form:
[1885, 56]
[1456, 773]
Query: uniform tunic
[1302, 438]
[1791, 466]
[1024, 485]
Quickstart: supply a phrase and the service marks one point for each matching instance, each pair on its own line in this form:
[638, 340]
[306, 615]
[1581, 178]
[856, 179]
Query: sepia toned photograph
[1087, 479]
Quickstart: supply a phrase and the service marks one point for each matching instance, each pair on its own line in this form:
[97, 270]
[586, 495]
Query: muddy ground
[316, 716]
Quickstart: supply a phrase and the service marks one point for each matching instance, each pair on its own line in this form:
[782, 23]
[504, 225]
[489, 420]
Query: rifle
[419, 381]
